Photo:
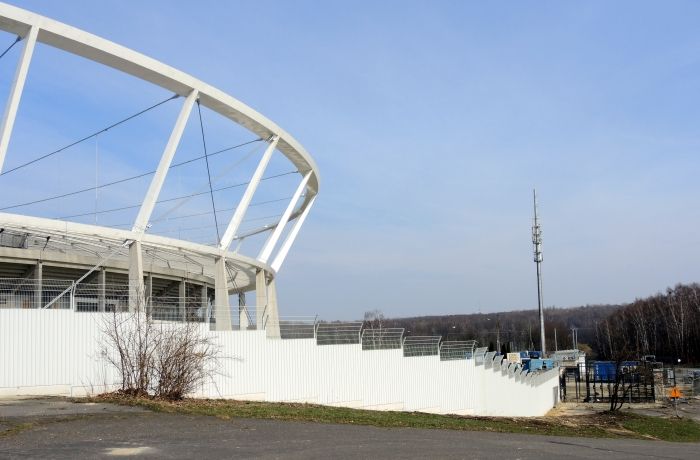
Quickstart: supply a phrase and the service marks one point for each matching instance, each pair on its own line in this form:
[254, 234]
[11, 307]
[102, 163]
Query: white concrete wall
[58, 352]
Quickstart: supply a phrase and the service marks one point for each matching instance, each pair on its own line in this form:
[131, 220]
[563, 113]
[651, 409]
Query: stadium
[61, 271]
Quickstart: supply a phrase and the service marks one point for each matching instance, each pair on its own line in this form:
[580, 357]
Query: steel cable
[206, 159]
[72, 144]
[10, 47]
[223, 172]
[122, 180]
[168, 200]
[198, 214]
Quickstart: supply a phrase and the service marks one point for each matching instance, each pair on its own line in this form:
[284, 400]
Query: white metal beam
[284, 250]
[8, 120]
[222, 308]
[38, 284]
[272, 241]
[260, 298]
[137, 294]
[149, 201]
[272, 320]
[62, 36]
[182, 300]
[242, 207]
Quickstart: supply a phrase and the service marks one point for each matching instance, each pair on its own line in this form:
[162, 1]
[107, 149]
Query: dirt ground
[685, 407]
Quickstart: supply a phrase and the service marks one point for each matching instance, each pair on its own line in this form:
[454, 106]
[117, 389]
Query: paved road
[108, 432]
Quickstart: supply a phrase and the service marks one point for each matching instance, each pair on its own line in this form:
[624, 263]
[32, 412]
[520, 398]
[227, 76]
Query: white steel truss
[8, 120]
[65, 239]
[166, 159]
[289, 241]
[239, 214]
[277, 232]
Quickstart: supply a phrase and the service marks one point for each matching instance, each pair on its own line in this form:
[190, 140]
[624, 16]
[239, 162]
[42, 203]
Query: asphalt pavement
[105, 431]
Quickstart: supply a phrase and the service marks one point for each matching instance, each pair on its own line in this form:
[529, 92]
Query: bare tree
[373, 324]
[374, 319]
[614, 341]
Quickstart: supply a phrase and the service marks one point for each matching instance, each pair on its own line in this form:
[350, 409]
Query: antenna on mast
[537, 244]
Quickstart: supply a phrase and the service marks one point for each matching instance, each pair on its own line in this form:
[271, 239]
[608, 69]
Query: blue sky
[431, 122]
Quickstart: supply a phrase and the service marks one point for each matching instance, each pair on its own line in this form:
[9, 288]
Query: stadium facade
[58, 277]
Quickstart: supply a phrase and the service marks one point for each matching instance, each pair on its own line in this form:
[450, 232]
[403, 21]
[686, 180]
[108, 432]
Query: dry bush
[184, 359]
[152, 358]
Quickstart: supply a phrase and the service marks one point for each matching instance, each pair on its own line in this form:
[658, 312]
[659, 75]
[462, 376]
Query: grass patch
[622, 425]
[667, 429]
[16, 429]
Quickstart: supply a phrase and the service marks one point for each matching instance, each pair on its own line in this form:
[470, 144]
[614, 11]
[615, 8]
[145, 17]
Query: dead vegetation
[164, 360]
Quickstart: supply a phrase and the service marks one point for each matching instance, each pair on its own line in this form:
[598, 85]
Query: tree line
[666, 325]
[513, 330]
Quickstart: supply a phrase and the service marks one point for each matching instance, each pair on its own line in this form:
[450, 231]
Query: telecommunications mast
[537, 243]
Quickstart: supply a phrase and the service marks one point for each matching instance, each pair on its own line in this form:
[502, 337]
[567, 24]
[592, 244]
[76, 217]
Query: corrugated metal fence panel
[58, 351]
[53, 348]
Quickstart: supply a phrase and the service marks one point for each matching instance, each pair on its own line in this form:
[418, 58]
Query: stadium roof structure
[26, 238]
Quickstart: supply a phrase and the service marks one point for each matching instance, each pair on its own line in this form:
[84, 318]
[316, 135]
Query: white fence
[57, 352]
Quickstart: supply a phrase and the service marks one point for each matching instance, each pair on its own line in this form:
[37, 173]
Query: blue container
[604, 371]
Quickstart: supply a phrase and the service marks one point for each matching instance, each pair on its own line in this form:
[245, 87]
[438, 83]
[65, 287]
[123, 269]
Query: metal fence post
[72, 296]
[207, 313]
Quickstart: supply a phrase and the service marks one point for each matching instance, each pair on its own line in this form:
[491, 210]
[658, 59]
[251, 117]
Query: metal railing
[93, 297]
[188, 309]
[452, 350]
[338, 333]
[479, 354]
[295, 327]
[382, 339]
[31, 293]
[421, 345]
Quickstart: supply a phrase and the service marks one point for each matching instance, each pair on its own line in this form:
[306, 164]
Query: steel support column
[272, 325]
[38, 284]
[260, 299]
[205, 300]
[242, 207]
[149, 289]
[149, 202]
[182, 300]
[136, 286]
[101, 289]
[289, 241]
[222, 308]
[277, 232]
[8, 120]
